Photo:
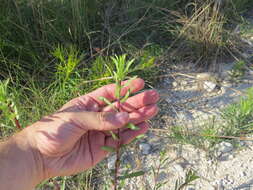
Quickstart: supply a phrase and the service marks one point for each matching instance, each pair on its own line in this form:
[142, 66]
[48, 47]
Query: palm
[85, 153]
[71, 142]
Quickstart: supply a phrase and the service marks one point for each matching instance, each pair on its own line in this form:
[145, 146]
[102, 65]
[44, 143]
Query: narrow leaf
[140, 136]
[129, 81]
[132, 126]
[107, 102]
[109, 69]
[108, 148]
[114, 136]
[125, 97]
[115, 61]
[191, 176]
[129, 63]
[117, 90]
[134, 174]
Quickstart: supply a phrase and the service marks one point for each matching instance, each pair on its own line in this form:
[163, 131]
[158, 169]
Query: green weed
[238, 116]
[182, 183]
[204, 137]
[163, 161]
[235, 124]
[8, 109]
[122, 68]
[238, 71]
[66, 76]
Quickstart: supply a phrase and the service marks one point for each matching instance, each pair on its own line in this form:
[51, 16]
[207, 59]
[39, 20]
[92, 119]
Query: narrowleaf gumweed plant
[122, 68]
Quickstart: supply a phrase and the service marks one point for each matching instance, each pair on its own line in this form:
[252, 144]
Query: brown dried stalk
[15, 119]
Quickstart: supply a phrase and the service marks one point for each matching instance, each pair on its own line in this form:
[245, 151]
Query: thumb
[104, 121]
[101, 121]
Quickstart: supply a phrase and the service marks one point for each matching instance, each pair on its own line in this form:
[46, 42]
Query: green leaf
[114, 136]
[109, 69]
[117, 90]
[129, 81]
[137, 138]
[107, 102]
[108, 148]
[134, 174]
[125, 97]
[115, 61]
[140, 136]
[191, 176]
[132, 126]
[146, 65]
[129, 63]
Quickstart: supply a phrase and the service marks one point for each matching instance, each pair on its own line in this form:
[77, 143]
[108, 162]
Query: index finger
[108, 91]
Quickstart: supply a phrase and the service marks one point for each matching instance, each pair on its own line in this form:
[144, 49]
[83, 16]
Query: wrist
[21, 164]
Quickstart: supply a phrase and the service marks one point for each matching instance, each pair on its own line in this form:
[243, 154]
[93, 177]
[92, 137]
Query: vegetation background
[54, 50]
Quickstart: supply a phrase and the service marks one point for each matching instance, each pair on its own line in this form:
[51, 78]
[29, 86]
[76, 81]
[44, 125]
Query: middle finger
[136, 102]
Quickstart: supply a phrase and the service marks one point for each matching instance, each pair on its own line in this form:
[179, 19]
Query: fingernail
[122, 116]
[154, 93]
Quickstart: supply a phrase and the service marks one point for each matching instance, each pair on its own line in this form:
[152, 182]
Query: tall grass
[238, 116]
[200, 32]
[29, 28]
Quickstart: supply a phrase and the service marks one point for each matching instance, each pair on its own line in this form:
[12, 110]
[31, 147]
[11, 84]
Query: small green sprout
[122, 68]
[189, 178]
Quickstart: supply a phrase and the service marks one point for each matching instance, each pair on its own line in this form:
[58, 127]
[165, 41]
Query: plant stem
[117, 162]
[16, 121]
[56, 185]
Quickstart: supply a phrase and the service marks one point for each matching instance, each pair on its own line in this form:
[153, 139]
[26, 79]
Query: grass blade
[134, 174]
[107, 102]
[125, 97]
[132, 126]
[114, 136]
[108, 148]
[129, 81]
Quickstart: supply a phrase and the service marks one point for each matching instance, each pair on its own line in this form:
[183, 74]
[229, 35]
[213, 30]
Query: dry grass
[201, 34]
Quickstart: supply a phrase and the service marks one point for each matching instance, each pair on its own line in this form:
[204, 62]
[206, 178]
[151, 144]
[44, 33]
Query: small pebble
[209, 86]
[174, 84]
[203, 76]
[242, 143]
[231, 156]
[179, 169]
[145, 148]
[243, 174]
[225, 147]
[184, 82]
[190, 188]
[111, 162]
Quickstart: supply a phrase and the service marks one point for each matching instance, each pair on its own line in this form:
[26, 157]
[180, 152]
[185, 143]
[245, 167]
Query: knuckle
[102, 120]
[81, 103]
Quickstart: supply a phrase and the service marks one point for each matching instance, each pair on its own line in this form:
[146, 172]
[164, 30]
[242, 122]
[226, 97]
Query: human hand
[70, 140]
